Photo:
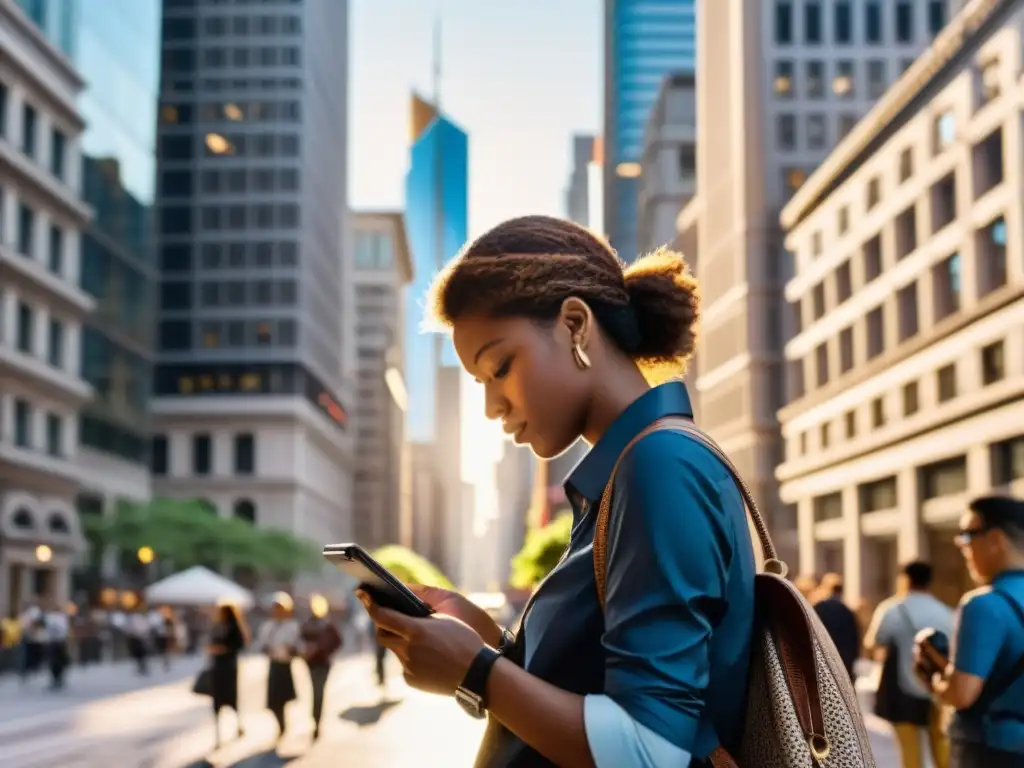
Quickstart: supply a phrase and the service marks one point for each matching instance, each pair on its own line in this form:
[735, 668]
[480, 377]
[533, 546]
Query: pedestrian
[646, 665]
[229, 635]
[902, 699]
[278, 637]
[33, 639]
[139, 633]
[320, 641]
[58, 631]
[840, 622]
[983, 679]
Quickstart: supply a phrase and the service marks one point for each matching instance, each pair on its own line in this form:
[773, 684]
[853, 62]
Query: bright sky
[521, 77]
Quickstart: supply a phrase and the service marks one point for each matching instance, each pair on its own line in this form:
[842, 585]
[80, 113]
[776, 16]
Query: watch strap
[508, 639]
[479, 670]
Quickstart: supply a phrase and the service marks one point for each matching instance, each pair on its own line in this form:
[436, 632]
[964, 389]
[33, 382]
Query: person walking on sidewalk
[840, 622]
[908, 704]
[58, 634]
[278, 637]
[983, 679]
[228, 637]
[320, 641]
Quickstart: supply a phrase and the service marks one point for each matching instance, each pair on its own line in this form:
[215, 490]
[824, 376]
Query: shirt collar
[589, 477]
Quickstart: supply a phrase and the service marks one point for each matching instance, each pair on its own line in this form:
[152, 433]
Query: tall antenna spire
[437, 61]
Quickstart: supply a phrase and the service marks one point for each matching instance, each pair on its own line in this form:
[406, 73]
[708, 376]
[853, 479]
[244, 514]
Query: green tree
[541, 552]
[411, 567]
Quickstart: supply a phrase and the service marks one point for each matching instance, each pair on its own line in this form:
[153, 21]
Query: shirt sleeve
[669, 549]
[979, 636]
[879, 633]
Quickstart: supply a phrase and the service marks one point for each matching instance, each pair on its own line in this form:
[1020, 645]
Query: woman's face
[531, 381]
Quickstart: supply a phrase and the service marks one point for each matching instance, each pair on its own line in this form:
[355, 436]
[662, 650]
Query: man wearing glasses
[983, 680]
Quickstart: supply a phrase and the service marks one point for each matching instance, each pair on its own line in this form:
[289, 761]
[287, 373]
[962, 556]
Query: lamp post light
[44, 554]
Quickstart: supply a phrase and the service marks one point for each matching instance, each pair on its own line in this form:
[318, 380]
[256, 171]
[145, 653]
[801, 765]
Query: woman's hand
[435, 652]
[449, 603]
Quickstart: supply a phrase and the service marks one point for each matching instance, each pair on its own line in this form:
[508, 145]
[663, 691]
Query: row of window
[183, 61]
[244, 454]
[30, 130]
[175, 148]
[845, 82]
[27, 233]
[993, 370]
[24, 431]
[178, 295]
[184, 28]
[808, 27]
[241, 84]
[53, 346]
[213, 256]
[947, 477]
[236, 181]
[231, 112]
[178, 219]
[374, 250]
[179, 335]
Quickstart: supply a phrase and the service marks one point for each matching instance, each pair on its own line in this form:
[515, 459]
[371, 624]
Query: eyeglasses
[967, 535]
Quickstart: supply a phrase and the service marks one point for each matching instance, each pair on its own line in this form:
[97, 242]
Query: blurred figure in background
[839, 620]
[808, 586]
[983, 677]
[279, 638]
[58, 631]
[33, 639]
[380, 653]
[901, 699]
[139, 634]
[228, 636]
[320, 641]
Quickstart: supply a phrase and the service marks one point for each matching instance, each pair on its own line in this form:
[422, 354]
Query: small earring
[582, 361]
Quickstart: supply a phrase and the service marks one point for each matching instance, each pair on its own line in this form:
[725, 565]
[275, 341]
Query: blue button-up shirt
[664, 666]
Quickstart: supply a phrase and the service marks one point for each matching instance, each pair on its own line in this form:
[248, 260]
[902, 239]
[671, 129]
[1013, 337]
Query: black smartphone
[383, 586]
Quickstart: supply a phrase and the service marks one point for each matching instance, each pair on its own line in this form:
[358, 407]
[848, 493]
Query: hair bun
[665, 300]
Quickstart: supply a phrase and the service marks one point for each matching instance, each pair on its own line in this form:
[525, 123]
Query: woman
[228, 636]
[279, 638]
[561, 335]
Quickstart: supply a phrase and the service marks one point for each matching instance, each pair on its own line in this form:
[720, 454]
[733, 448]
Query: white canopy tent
[198, 586]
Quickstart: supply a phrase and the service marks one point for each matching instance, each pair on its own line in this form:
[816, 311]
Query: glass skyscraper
[645, 40]
[436, 215]
[57, 19]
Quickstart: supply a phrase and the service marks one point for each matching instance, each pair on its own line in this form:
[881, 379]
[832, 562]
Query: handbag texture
[802, 711]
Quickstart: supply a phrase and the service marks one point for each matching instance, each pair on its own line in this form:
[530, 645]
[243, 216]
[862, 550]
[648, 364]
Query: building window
[990, 247]
[844, 83]
[245, 454]
[845, 349]
[993, 365]
[826, 434]
[812, 22]
[245, 510]
[844, 282]
[843, 22]
[786, 132]
[910, 401]
[202, 454]
[878, 412]
[904, 21]
[56, 250]
[944, 478]
[876, 333]
[28, 131]
[26, 230]
[821, 364]
[783, 23]
[847, 123]
[56, 351]
[906, 164]
[793, 179]
[936, 16]
[945, 379]
[815, 79]
[22, 424]
[58, 147]
[3, 110]
[817, 131]
[990, 81]
[906, 232]
[818, 301]
[988, 162]
[873, 32]
[878, 78]
[850, 421]
[26, 328]
[158, 455]
[946, 279]
[54, 435]
[874, 192]
[943, 200]
[872, 253]
[906, 301]
[944, 132]
[843, 220]
[878, 495]
[828, 507]
[1008, 461]
[783, 83]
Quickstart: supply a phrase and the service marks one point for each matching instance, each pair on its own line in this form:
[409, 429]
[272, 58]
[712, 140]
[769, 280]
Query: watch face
[470, 702]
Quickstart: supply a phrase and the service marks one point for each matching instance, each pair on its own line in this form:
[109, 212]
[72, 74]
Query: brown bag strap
[772, 564]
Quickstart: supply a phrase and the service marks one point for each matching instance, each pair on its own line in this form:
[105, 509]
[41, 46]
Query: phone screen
[382, 585]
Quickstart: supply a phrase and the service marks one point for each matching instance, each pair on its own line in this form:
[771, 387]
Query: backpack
[802, 711]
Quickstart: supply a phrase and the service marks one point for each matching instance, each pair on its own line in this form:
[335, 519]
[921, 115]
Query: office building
[255, 333]
[645, 40]
[118, 150]
[383, 267]
[668, 165]
[906, 374]
[808, 70]
[577, 197]
[42, 310]
[514, 482]
[58, 20]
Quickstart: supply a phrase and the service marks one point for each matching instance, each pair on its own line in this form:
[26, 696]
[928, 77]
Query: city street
[109, 717]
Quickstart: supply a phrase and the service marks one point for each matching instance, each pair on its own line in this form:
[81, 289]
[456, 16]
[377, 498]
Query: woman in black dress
[228, 636]
[279, 638]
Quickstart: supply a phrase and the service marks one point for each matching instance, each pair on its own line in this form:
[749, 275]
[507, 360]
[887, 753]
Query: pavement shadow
[369, 714]
[265, 759]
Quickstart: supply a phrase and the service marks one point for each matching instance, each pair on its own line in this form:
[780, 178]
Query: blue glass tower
[436, 215]
[645, 40]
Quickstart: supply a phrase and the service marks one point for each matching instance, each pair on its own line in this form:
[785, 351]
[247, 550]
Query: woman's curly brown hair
[528, 266]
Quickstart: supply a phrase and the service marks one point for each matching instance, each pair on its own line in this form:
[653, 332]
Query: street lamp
[145, 555]
[44, 554]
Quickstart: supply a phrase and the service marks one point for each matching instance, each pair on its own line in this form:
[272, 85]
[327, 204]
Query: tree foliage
[411, 567]
[541, 552]
[189, 532]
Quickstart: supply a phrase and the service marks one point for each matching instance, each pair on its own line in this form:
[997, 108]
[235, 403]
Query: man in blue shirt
[983, 680]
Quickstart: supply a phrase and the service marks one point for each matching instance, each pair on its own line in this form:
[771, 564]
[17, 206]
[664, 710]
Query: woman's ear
[577, 318]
